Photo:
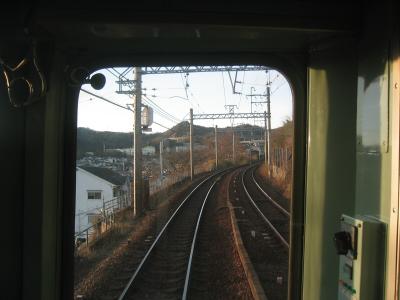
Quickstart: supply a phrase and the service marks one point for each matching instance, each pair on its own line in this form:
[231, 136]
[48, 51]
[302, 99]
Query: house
[148, 150]
[127, 151]
[182, 147]
[98, 191]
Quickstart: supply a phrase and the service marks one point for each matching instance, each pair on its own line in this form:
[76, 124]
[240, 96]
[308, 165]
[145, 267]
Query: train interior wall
[349, 159]
[330, 163]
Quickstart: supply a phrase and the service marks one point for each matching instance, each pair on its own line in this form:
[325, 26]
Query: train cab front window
[184, 174]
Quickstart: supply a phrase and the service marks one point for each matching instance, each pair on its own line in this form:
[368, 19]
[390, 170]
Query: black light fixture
[80, 76]
[97, 81]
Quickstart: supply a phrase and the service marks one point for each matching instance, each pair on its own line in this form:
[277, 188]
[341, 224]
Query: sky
[204, 92]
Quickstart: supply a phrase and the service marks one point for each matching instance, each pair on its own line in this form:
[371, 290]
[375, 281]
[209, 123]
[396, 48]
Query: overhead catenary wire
[160, 111]
[104, 99]
[186, 84]
[192, 99]
[278, 87]
[184, 80]
[184, 117]
[112, 73]
[123, 107]
[173, 119]
[164, 127]
[164, 116]
[198, 104]
[148, 101]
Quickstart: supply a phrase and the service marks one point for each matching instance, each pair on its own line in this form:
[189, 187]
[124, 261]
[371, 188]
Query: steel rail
[283, 210]
[143, 261]
[278, 235]
[189, 268]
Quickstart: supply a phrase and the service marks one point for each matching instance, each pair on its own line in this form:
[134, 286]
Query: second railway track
[276, 217]
[160, 266]
[264, 226]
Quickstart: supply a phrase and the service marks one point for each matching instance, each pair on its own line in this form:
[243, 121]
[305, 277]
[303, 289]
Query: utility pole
[216, 147]
[233, 144]
[161, 160]
[269, 124]
[251, 95]
[266, 143]
[251, 98]
[191, 145]
[231, 111]
[137, 139]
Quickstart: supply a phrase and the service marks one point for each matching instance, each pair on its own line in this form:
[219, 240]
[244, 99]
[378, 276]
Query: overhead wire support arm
[231, 115]
[233, 83]
[228, 116]
[197, 69]
[124, 82]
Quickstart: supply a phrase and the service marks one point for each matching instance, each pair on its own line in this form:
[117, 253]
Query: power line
[278, 87]
[184, 117]
[161, 111]
[115, 75]
[104, 99]
[161, 125]
[120, 106]
[159, 108]
[165, 127]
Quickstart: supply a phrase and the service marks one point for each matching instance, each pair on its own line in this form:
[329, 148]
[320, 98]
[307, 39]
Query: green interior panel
[330, 167]
[373, 176]
[373, 144]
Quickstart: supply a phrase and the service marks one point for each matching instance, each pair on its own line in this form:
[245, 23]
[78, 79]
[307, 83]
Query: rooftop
[106, 174]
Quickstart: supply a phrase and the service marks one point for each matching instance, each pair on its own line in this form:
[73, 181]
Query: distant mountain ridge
[89, 140]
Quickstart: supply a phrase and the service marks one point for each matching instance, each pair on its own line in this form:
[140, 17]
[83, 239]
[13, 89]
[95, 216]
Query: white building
[148, 150]
[127, 151]
[98, 188]
[182, 147]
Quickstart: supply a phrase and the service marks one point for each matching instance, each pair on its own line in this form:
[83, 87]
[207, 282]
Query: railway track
[165, 270]
[264, 228]
[270, 211]
[170, 264]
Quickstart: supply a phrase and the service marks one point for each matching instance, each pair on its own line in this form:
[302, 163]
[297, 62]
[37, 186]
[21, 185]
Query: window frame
[94, 191]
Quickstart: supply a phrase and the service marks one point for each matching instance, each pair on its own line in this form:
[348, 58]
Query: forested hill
[89, 140]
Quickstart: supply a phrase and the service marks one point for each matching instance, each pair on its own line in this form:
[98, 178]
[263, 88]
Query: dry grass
[280, 179]
[99, 249]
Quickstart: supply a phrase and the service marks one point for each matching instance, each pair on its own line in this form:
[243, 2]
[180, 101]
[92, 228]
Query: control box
[360, 244]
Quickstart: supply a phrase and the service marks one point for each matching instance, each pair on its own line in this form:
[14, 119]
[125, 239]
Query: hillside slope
[89, 140]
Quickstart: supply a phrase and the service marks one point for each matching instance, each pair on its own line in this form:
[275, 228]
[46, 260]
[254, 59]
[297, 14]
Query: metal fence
[105, 219]
[106, 213]
[157, 185]
[281, 162]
